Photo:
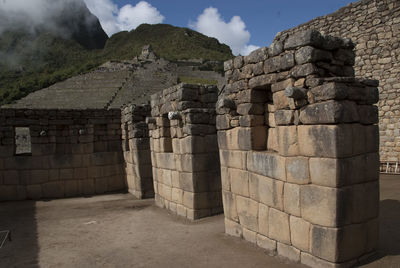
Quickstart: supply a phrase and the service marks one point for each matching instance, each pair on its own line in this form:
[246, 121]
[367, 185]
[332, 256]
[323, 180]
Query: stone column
[136, 147]
[185, 151]
[299, 151]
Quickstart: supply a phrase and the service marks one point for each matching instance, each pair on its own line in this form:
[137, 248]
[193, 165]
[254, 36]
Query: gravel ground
[119, 231]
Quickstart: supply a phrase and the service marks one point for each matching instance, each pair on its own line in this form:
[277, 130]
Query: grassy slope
[44, 60]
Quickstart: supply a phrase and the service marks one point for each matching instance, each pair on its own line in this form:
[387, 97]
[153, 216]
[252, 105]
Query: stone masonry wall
[136, 147]
[184, 150]
[72, 153]
[374, 25]
[299, 151]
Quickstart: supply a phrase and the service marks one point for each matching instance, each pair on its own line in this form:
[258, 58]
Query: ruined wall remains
[374, 25]
[184, 148]
[299, 151]
[59, 153]
[136, 147]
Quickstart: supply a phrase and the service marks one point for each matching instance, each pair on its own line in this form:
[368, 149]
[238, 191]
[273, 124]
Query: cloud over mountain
[232, 33]
[126, 18]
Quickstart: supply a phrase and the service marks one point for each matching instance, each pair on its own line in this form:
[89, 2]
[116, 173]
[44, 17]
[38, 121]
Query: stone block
[165, 161]
[233, 228]
[282, 85]
[8, 193]
[223, 122]
[287, 61]
[326, 140]
[181, 210]
[100, 185]
[365, 202]
[304, 38]
[34, 192]
[272, 65]
[328, 91]
[248, 213]
[369, 114]
[325, 206]
[11, 177]
[280, 100]
[53, 190]
[250, 109]
[272, 143]
[266, 243]
[262, 81]
[338, 244]
[291, 199]
[372, 235]
[175, 176]
[239, 180]
[251, 120]
[249, 236]
[71, 188]
[284, 117]
[87, 187]
[177, 195]
[263, 222]
[267, 164]
[288, 140]
[330, 112]
[288, 252]
[233, 159]
[225, 180]
[310, 54]
[304, 70]
[300, 233]
[279, 228]
[252, 138]
[229, 201]
[297, 170]
[252, 96]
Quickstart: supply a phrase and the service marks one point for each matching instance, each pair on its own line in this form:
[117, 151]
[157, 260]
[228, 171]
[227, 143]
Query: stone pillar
[299, 151]
[136, 147]
[184, 148]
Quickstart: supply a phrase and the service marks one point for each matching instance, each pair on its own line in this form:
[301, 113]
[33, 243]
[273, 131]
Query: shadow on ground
[21, 221]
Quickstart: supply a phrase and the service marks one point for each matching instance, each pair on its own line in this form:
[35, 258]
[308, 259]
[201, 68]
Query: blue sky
[255, 24]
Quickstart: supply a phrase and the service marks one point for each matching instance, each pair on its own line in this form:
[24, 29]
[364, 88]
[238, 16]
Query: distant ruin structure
[374, 26]
[299, 151]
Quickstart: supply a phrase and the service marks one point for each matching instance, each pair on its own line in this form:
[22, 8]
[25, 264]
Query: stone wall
[136, 147]
[184, 148]
[299, 151]
[374, 25]
[68, 153]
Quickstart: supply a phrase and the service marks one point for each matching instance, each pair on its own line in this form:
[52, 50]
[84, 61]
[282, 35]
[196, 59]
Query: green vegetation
[31, 62]
[195, 80]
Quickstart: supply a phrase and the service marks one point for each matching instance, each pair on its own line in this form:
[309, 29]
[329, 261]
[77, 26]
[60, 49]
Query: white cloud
[232, 33]
[126, 18]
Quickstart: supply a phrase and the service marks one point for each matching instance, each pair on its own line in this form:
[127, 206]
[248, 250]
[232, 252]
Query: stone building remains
[374, 26]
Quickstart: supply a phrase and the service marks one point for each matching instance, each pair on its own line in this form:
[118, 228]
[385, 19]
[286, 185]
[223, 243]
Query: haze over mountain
[46, 41]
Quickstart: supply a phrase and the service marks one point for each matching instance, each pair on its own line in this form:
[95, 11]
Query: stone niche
[299, 141]
[136, 147]
[184, 150]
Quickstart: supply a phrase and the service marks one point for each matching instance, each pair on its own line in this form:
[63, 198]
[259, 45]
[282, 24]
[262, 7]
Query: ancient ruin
[299, 151]
[184, 150]
[374, 26]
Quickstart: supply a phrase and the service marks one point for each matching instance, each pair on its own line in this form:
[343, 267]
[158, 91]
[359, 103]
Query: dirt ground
[119, 231]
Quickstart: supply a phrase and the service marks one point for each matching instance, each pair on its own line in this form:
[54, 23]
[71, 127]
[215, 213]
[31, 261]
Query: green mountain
[30, 61]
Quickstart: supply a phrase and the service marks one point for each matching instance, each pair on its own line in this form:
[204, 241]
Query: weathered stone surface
[369, 114]
[325, 140]
[328, 91]
[250, 109]
[280, 100]
[300, 233]
[263, 222]
[330, 112]
[310, 54]
[272, 140]
[229, 202]
[267, 164]
[249, 236]
[262, 81]
[288, 252]
[304, 70]
[304, 38]
[365, 202]
[338, 244]
[248, 213]
[239, 182]
[282, 85]
[233, 228]
[325, 206]
[284, 117]
[257, 55]
[297, 170]
[279, 228]
[288, 140]
[233, 159]
[252, 138]
[251, 120]
[291, 199]
[269, 192]
[266, 243]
